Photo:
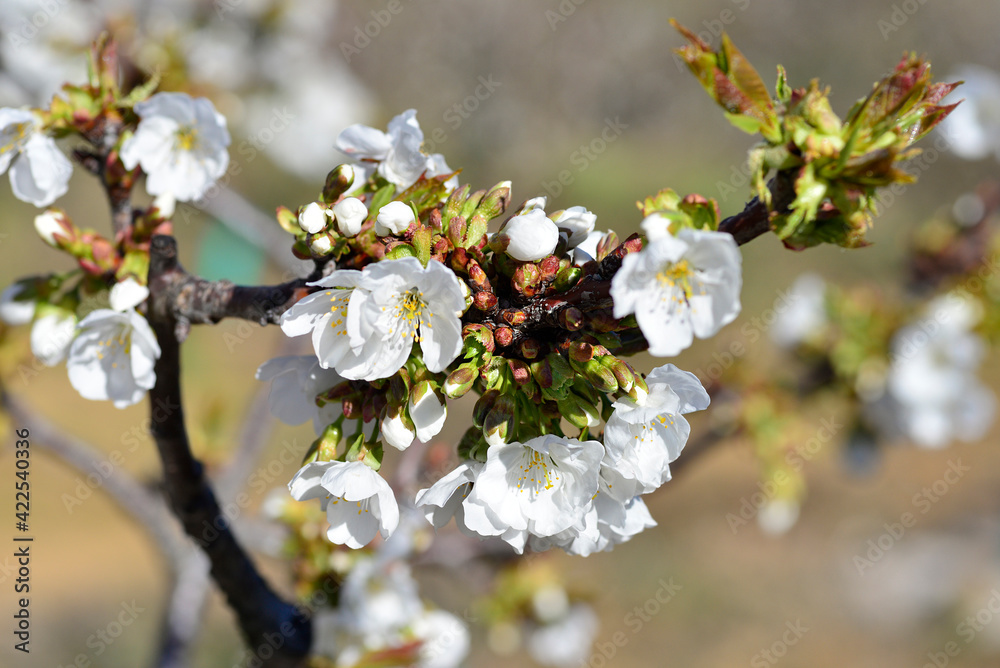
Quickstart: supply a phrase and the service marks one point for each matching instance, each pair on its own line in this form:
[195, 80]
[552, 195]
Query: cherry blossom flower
[181, 144]
[529, 236]
[39, 172]
[113, 356]
[52, 334]
[358, 502]
[680, 287]
[933, 391]
[445, 639]
[539, 486]
[324, 315]
[576, 222]
[295, 382]
[313, 218]
[565, 641]
[804, 312]
[14, 311]
[402, 302]
[398, 152]
[645, 434]
[444, 499]
[350, 214]
[393, 218]
[973, 127]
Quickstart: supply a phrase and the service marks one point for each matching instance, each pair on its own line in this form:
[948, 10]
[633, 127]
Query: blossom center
[186, 138]
[115, 343]
[13, 137]
[676, 274]
[410, 312]
[538, 473]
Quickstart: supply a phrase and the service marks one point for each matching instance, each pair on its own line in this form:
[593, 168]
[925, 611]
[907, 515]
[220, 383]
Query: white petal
[127, 294]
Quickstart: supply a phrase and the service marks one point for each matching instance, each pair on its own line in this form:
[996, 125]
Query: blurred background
[523, 90]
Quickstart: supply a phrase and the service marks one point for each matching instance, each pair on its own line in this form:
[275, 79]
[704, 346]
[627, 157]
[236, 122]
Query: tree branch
[265, 619]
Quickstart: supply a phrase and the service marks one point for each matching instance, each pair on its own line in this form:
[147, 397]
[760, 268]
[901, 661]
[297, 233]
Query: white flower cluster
[396, 155]
[379, 610]
[110, 354]
[932, 391]
[581, 496]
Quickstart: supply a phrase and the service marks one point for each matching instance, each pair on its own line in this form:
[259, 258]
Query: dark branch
[265, 619]
[755, 219]
[188, 299]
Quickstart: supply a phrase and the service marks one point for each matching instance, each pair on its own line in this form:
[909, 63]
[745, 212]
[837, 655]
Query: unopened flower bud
[529, 349]
[483, 406]
[580, 352]
[427, 409]
[504, 336]
[567, 278]
[624, 374]
[54, 228]
[519, 370]
[165, 204]
[514, 317]
[526, 279]
[393, 218]
[312, 218]
[320, 244]
[601, 376]
[579, 412]
[571, 318]
[455, 202]
[533, 203]
[528, 237]
[495, 201]
[459, 382]
[350, 214]
[484, 300]
[576, 222]
[338, 181]
[498, 426]
[397, 428]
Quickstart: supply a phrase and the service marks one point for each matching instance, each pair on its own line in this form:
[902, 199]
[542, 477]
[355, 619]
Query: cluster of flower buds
[426, 305]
